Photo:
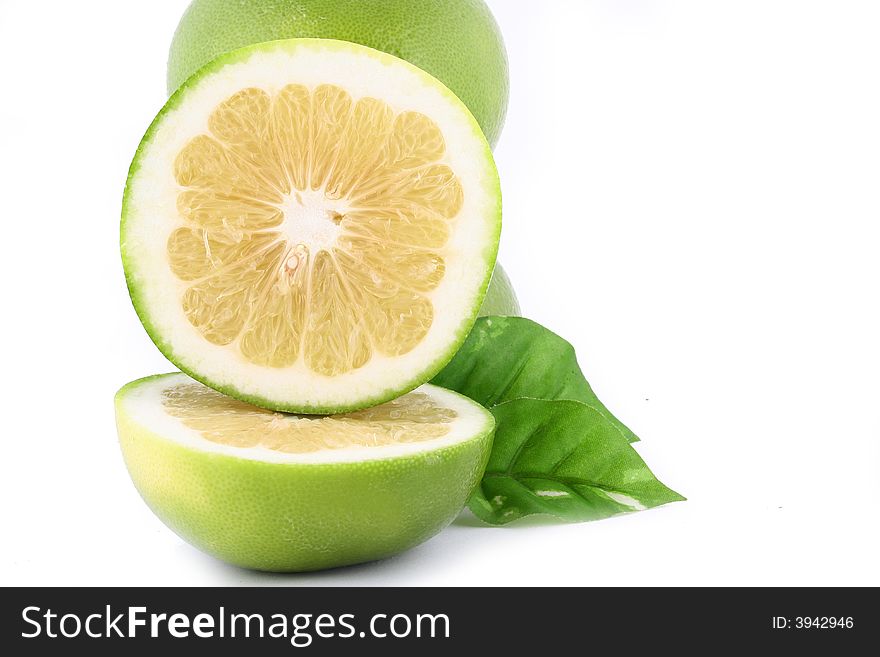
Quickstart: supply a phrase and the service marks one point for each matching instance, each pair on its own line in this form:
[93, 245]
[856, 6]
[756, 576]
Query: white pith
[142, 405]
[153, 215]
[308, 222]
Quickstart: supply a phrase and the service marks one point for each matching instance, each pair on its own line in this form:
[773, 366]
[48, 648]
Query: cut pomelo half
[278, 492]
[311, 225]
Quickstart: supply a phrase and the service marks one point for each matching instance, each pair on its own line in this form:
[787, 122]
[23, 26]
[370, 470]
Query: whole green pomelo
[457, 41]
[500, 297]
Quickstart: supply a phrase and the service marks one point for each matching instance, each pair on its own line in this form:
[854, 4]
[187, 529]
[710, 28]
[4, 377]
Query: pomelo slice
[310, 226]
[276, 492]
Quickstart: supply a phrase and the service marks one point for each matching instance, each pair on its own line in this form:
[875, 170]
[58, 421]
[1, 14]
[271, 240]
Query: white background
[691, 197]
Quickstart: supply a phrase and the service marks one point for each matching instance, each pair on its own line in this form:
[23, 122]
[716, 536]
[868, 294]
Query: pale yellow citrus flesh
[316, 228]
[415, 417]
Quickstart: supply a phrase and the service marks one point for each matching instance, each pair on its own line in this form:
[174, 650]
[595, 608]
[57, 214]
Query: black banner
[281, 621]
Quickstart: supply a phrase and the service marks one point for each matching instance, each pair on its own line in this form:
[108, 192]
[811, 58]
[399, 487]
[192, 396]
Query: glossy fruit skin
[283, 517]
[500, 297]
[457, 41]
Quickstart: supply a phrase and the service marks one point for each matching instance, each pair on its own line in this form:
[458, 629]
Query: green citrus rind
[297, 517]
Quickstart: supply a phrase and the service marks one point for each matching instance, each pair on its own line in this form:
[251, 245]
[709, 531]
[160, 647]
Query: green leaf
[566, 459]
[507, 358]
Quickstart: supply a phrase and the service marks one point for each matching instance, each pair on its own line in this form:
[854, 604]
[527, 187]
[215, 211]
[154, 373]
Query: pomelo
[457, 41]
[276, 492]
[500, 298]
[311, 225]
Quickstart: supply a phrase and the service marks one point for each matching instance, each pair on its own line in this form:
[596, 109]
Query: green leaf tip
[507, 358]
[565, 459]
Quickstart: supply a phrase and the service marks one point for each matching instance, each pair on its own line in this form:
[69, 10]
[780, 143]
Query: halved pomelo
[310, 226]
[277, 492]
